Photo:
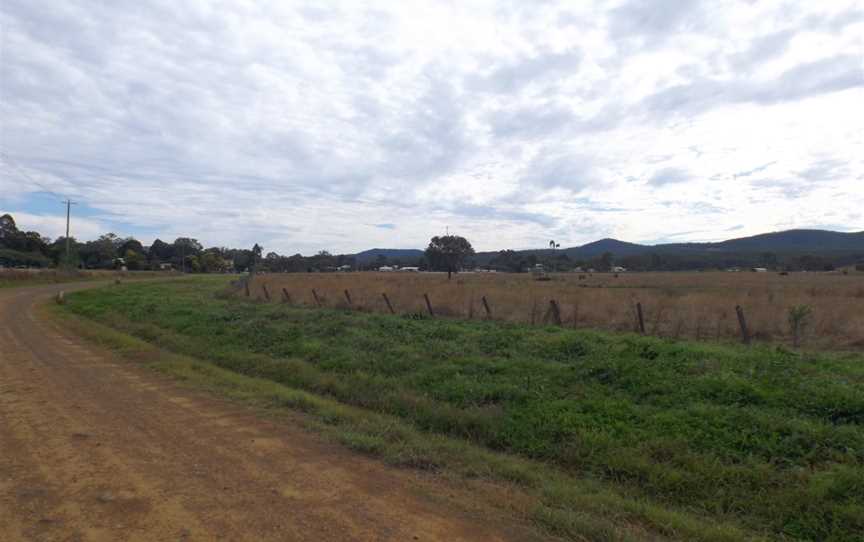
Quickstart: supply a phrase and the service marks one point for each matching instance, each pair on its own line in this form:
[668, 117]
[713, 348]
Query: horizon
[305, 128]
[494, 250]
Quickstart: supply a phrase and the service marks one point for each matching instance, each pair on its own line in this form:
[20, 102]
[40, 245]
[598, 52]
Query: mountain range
[783, 242]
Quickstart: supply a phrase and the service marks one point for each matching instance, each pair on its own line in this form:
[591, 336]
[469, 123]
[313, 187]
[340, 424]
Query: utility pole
[69, 203]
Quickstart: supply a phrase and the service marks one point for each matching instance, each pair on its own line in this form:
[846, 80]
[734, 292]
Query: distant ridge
[789, 241]
[390, 253]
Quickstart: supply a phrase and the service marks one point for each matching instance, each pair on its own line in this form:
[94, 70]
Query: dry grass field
[680, 305]
[31, 277]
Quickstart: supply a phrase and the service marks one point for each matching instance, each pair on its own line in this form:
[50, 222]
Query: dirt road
[96, 448]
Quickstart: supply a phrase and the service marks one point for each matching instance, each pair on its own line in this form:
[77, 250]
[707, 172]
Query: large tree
[448, 252]
[160, 251]
[101, 252]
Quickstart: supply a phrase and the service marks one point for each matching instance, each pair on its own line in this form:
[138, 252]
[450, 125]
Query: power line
[8, 161]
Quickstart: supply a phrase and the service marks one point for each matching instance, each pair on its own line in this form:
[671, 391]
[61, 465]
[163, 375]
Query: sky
[347, 125]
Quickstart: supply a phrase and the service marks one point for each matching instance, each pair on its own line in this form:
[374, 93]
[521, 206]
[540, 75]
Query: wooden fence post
[348, 297]
[387, 300]
[745, 333]
[486, 307]
[246, 286]
[640, 320]
[554, 311]
[266, 293]
[286, 297]
[315, 295]
[429, 305]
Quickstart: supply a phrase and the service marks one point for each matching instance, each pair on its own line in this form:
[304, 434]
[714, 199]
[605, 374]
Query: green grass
[620, 436]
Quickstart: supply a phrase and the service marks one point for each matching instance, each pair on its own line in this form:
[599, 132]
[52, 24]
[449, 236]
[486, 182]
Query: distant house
[166, 266]
[618, 269]
[760, 269]
[343, 268]
[409, 269]
[386, 268]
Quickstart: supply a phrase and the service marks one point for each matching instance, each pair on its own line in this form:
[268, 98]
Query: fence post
[745, 333]
[640, 318]
[266, 293]
[387, 300]
[246, 286]
[315, 295]
[286, 297]
[348, 297]
[429, 305]
[486, 307]
[553, 311]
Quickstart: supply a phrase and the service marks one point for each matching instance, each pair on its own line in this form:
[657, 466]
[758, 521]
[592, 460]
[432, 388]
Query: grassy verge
[619, 437]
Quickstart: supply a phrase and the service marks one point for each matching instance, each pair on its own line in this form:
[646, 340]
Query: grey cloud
[749, 172]
[833, 74]
[762, 49]
[669, 175]
[787, 188]
[489, 212]
[512, 76]
[431, 137]
[825, 170]
[574, 172]
[531, 121]
[653, 21]
[539, 121]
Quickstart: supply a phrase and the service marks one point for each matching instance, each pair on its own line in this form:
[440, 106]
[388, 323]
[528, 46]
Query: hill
[837, 248]
[405, 254]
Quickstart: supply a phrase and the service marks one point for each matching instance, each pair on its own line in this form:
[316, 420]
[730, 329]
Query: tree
[183, 248]
[211, 261]
[134, 260]
[130, 243]
[507, 260]
[101, 252]
[606, 261]
[189, 245]
[7, 226]
[447, 252]
[256, 256]
[160, 251]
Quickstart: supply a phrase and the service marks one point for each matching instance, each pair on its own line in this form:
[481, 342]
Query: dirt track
[95, 448]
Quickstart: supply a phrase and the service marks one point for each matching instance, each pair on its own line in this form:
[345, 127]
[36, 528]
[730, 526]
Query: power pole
[69, 203]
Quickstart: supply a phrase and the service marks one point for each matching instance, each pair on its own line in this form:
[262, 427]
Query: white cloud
[301, 125]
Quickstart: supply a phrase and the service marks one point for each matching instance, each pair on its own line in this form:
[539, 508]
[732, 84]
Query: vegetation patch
[681, 440]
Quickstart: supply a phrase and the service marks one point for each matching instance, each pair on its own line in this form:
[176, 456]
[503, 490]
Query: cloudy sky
[348, 125]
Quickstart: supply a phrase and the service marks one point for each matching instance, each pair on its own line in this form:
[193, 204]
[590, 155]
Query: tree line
[449, 253]
[20, 248]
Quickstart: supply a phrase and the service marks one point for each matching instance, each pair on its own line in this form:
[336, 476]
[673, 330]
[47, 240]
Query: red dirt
[96, 448]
